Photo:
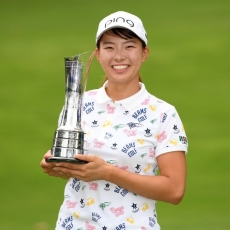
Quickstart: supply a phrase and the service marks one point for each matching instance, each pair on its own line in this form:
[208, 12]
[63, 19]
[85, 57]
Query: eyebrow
[106, 43]
[112, 43]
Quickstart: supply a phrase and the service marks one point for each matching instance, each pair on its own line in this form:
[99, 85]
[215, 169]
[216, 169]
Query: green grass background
[189, 66]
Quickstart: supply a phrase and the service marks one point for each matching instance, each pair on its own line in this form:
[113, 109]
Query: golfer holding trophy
[130, 135]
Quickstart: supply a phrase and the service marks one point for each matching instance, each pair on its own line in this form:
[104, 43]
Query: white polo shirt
[128, 134]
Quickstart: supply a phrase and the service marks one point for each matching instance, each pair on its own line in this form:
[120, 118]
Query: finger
[56, 174]
[84, 157]
[44, 164]
[64, 176]
[48, 154]
[67, 165]
[62, 170]
[66, 171]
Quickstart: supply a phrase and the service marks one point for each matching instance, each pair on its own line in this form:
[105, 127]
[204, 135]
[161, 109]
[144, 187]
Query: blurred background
[188, 67]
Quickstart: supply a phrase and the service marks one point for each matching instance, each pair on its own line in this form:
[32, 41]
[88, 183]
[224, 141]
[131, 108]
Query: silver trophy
[69, 136]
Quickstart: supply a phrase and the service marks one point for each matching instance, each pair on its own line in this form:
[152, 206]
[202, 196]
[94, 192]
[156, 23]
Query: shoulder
[90, 95]
[151, 101]
[160, 105]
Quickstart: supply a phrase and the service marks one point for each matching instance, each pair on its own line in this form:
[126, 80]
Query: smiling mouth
[120, 67]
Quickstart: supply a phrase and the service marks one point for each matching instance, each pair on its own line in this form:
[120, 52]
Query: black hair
[121, 33]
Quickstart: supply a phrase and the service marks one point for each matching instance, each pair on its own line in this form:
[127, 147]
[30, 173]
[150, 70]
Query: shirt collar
[128, 103]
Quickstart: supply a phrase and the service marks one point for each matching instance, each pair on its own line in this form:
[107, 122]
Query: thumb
[81, 157]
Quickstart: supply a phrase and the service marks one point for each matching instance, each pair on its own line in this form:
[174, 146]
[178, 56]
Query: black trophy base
[67, 160]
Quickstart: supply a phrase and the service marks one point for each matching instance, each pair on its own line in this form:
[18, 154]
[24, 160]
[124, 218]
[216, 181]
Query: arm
[169, 186]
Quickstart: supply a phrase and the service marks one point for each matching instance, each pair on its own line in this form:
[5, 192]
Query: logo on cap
[128, 21]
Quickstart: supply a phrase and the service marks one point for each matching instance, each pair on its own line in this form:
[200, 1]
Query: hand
[48, 167]
[95, 169]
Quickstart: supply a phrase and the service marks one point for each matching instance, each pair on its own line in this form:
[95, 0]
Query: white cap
[122, 19]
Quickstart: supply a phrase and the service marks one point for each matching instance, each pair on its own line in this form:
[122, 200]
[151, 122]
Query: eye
[130, 46]
[108, 48]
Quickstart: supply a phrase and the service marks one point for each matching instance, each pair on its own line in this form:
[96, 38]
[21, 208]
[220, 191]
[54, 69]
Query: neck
[119, 92]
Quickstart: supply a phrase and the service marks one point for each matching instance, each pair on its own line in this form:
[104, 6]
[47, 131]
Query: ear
[145, 53]
[98, 54]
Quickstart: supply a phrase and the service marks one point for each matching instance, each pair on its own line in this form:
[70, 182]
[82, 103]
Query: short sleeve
[171, 133]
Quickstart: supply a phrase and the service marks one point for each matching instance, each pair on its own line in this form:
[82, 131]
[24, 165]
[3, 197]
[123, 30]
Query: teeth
[120, 66]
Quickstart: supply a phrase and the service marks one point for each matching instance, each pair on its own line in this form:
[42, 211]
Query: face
[121, 59]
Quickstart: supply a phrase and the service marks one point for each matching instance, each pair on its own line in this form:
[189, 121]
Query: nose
[119, 55]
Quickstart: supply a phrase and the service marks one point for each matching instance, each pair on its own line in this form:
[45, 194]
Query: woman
[130, 135]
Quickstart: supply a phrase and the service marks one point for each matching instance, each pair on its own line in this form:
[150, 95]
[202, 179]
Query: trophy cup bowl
[69, 136]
